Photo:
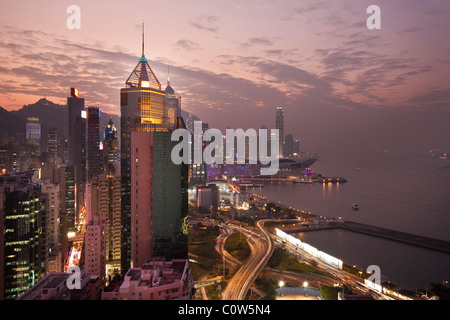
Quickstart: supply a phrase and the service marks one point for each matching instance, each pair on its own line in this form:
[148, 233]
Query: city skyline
[357, 93]
[317, 60]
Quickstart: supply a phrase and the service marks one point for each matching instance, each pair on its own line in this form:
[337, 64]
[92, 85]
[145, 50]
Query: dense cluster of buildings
[110, 202]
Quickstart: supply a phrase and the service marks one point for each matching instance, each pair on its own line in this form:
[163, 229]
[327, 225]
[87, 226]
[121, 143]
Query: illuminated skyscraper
[94, 156]
[22, 259]
[52, 145]
[279, 124]
[142, 108]
[110, 148]
[77, 145]
[33, 136]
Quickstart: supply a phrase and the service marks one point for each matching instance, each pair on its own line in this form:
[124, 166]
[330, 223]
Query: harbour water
[403, 191]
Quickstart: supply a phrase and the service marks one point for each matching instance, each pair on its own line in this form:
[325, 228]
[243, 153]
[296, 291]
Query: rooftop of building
[155, 273]
[53, 287]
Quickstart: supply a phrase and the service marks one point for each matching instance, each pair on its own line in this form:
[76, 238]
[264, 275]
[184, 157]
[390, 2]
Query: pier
[403, 237]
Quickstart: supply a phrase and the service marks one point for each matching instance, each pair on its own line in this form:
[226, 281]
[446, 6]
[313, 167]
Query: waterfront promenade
[403, 237]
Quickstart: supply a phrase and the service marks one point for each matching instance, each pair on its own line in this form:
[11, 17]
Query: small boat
[355, 206]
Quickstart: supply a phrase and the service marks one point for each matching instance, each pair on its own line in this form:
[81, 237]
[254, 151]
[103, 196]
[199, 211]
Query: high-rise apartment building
[95, 247]
[52, 146]
[103, 197]
[52, 219]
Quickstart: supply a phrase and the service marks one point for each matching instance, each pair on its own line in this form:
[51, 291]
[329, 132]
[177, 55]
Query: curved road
[262, 249]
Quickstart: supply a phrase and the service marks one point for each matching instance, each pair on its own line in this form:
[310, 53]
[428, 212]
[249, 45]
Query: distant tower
[52, 145]
[296, 148]
[279, 124]
[288, 145]
[110, 147]
[173, 105]
[33, 135]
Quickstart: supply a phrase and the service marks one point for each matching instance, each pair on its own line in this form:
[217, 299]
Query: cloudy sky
[234, 62]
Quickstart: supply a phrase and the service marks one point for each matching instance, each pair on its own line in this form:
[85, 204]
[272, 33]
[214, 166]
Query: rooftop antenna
[168, 75]
[142, 38]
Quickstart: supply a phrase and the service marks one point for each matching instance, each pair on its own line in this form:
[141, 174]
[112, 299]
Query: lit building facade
[52, 219]
[94, 154]
[142, 109]
[52, 146]
[95, 247]
[77, 146]
[22, 260]
[110, 148]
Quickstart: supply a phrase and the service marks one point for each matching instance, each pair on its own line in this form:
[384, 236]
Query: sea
[400, 190]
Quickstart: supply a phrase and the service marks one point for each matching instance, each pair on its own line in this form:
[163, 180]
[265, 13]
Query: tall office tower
[198, 172]
[279, 124]
[52, 146]
[94, 154]
[21, 212]
[142, 108]
[288, 145]
[173, 106]
[33, 136]
[77, 145]
[110, 148]
[158, 199]
[95, 247]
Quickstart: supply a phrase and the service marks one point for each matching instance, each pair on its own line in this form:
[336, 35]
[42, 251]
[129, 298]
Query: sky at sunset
[234, 62]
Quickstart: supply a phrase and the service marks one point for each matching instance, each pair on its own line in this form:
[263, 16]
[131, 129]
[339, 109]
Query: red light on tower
[74, 92]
